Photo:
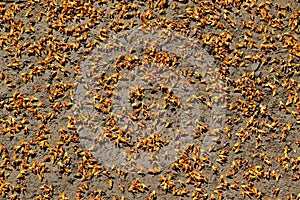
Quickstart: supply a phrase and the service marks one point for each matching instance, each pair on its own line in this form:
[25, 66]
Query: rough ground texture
[59, 100]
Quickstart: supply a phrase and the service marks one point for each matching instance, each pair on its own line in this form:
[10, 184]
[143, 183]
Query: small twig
[4, 98]
[14, 1]
[257, 67]
[280, 51]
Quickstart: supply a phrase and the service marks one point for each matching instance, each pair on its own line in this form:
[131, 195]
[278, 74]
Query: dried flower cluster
[254, 155]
